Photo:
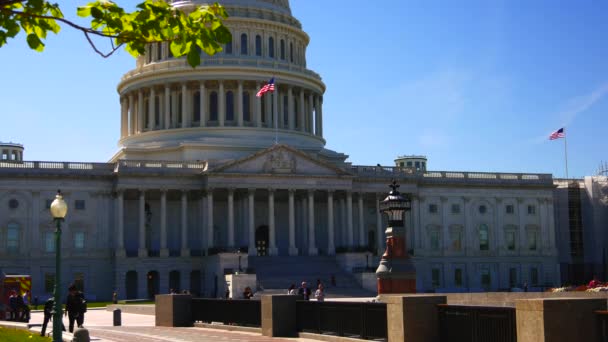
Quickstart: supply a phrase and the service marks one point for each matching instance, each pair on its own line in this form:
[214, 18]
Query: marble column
[379, 227]
[175, 109]
[320, 115]
[258, 107]
[552, 248]
[251, 222]
[361, 221]
[140, 111]
[311, 108]
[142, 251]
[152, 109]
[290, 109]
[239, 104]
[272, 248]
[331, 248]
[221, 99]
[203, 103]
[312, 247]
[302, 118]
[185, 106]
[124, 123]
[164, 252]
[293, 250]
[167, 111]
[131, 115]
[544, 222]
[120, 224]
[349, 220]
[343, 223]
[210, 242]
[230, 218]
[185, 251]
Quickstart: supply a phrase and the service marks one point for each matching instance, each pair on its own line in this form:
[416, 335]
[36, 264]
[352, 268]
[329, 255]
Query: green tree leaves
[190, 31]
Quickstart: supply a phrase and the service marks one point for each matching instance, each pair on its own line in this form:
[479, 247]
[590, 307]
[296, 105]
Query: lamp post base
[400, 285]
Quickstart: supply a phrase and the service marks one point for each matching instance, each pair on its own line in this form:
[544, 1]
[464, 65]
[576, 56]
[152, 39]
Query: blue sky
[473, 85]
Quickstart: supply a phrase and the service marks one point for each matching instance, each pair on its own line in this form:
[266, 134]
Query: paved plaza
[141, 328]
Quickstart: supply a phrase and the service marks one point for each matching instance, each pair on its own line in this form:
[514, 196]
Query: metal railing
[236, 311]
[359, 320]
[460, 323]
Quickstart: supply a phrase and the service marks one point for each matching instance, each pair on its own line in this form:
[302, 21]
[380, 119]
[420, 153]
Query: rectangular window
[409, 163]
[435, 277]
[12, 239]
[486, 280]
[512, 277]
[49, 242]
[79, 240]
[49, 282]
[417, 165]
[510, 237]
[435, 240]
[510, 209]
[531, 210]
[484, 238]
[455, 208]
[79, 205]
[433, 208]
[534, 276]
[456, 236]
[532, 243]
[458, 277]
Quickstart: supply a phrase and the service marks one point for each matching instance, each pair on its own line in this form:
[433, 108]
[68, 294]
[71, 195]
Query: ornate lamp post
[396, 273]
[58, 210]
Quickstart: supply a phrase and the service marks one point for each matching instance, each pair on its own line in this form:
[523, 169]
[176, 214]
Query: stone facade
[205, 168]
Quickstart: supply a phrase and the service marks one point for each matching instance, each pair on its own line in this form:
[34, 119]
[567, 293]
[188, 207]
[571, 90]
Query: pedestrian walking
[75, 307]
[304, 291]
[49, 310]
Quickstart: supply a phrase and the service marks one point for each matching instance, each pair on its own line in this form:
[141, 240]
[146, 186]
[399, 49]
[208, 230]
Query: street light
[396, 273]
[58, 210]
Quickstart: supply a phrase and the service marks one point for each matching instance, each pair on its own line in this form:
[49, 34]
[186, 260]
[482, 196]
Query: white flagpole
[566, 151]
[274, 117]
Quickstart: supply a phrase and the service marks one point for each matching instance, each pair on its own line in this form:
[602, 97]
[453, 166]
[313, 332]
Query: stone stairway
[276, 274]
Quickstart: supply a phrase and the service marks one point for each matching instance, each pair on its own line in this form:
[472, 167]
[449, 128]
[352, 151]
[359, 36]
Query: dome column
[167, 111]
[302, 111]
[290, 113]
[311, 108]
[152, 109]
[258, 107]
[185, 111]
[140, 111]
[221, 104]
[124, 124]
[203, 103]
[239, 104]
[131, 115]
[320, 114]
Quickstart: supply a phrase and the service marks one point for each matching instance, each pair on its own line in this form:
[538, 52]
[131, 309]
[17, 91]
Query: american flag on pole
[268, 87]
[557, 134]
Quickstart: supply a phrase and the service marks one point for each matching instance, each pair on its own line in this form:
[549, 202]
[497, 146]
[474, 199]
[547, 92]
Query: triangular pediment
[280, 160]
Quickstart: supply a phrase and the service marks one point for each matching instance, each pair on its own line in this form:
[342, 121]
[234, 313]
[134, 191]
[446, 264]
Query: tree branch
[114, 48]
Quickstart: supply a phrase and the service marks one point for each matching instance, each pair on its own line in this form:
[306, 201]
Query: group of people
[19, 306]
[75, 308]
[306, 292]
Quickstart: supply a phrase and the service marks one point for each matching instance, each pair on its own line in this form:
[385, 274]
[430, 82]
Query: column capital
[311, 191]
[142, 191]
[330, 192]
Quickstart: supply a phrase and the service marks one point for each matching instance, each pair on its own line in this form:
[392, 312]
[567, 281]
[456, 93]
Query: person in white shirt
[320, 293]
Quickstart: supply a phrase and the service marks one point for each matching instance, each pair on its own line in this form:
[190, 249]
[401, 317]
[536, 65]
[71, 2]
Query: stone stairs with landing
[276, 274]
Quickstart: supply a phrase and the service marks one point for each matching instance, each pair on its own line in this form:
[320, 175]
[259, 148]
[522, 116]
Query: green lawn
[12, 335]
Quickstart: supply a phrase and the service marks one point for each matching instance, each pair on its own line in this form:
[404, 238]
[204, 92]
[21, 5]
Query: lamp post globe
[59, 210]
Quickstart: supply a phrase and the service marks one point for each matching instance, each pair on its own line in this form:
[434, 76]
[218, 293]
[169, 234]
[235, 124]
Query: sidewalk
[142, 328]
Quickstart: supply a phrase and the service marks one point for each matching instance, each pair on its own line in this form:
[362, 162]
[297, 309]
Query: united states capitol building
[210, 179]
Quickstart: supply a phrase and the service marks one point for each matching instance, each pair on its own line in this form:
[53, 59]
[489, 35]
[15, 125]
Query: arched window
[282, 49]
[291, 52]
[146, 113]
[228, 48]
[243, 44]
[246, 107]
[12, 237]
[229, 106]
[271, 47]
[196, 107]
[258, 45]
[484, 238]
[213, 106]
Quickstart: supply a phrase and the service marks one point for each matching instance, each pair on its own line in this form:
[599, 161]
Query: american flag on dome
[268, 87]
[557, 134]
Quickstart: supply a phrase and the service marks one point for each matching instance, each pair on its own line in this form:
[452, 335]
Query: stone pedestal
[396, 273]
[412, 317]
[557, 320]
[279, 316]
[173, 310]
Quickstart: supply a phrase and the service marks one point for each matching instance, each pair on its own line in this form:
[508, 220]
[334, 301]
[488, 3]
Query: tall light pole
[58, 210]
[396, 273]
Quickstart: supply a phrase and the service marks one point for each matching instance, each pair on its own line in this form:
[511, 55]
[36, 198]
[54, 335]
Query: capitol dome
[171, 111]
